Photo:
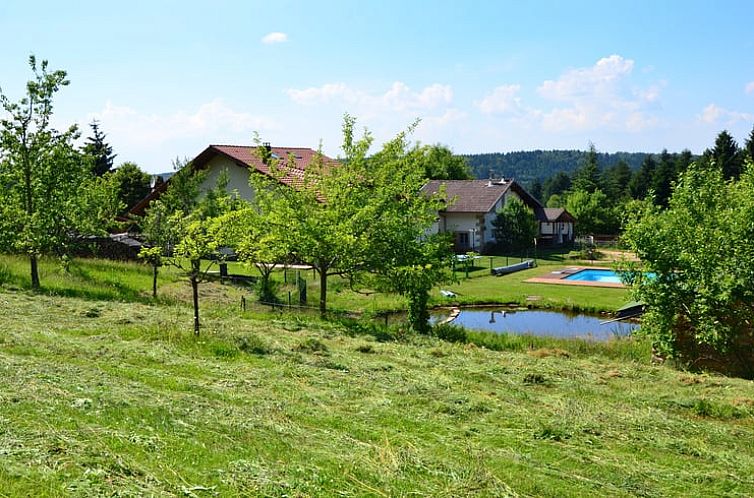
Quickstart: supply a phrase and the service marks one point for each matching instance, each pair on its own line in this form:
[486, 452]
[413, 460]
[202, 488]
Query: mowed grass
[116, 397]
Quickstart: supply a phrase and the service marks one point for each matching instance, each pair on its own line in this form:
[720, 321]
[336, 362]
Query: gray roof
[470, 196]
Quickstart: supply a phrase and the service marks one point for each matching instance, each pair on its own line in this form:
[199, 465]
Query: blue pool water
[605, 276]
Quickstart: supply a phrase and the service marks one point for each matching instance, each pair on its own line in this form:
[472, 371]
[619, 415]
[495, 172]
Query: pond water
[541, 323]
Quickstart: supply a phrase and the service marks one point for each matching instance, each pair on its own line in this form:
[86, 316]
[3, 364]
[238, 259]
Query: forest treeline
[529, 166]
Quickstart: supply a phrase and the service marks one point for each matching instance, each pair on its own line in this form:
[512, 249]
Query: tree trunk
[195, 291]
[34, 272]
[323, 291]
[154, 281]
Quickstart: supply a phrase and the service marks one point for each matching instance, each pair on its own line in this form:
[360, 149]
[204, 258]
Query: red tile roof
[293, 160]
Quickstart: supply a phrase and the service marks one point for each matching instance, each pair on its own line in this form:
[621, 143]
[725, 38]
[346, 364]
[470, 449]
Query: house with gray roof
[474, 207]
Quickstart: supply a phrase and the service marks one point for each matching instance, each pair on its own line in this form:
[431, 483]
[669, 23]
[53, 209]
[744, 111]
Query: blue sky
[165, 79]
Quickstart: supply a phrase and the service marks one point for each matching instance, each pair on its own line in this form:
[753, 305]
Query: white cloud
[598, 97]
[210, 121]
[274, 37]
[714, 114]
[750, 87]
[595, 81]
[503, 99]
[399, 97]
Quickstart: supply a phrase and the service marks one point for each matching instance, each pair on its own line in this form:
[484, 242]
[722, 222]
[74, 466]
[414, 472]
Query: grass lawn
[106, 393]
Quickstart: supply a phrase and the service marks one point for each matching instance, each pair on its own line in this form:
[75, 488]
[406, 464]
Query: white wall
[238, 177]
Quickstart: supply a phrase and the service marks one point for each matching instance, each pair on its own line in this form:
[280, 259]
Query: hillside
[527, 166]
[108, 393]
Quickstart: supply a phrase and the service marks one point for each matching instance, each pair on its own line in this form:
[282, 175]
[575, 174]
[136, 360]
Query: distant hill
[527, 166]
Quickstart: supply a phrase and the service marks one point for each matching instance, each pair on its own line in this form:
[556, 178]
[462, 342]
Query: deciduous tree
[48, 195]
[700, 299]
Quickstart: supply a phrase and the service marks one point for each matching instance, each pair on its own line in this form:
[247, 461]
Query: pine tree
[587, 177]
[727, 155]
[100, 152]
[663, 178]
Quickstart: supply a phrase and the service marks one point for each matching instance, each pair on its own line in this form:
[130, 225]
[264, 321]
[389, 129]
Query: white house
[475, 204]
[238, 162]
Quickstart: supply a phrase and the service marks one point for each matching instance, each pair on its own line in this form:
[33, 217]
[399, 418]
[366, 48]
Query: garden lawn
[106, 397]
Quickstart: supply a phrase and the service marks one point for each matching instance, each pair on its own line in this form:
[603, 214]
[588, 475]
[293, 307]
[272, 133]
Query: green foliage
[363, 215]
[700, 305]
[449, 332]
[185, 227]
[99, 152]
[440, 163]
[527, 166]
[593, 213]
[556, 184]
[515, 227]
[49, 195]
[133, 184]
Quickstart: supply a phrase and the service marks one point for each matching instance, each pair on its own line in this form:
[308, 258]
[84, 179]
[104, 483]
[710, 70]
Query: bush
[449, 332]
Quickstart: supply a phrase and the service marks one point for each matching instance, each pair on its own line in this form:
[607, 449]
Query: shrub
[449, 332]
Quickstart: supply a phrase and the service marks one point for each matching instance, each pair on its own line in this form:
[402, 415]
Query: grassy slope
[110, 397]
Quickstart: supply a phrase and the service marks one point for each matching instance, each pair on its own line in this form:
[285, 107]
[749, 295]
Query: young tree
[100, 152]
[48, 194]
[361, 215]
[515, 227]
[158, 231]
[247, 231]
[700, 301]
[191, 237]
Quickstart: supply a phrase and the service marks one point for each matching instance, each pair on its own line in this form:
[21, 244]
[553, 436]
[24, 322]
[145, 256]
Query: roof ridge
[255, 146]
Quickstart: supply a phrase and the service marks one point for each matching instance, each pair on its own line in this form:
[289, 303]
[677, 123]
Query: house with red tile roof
[238, 162]
[475, 204]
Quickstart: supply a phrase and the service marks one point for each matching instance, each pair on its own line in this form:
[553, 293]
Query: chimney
[267, 146]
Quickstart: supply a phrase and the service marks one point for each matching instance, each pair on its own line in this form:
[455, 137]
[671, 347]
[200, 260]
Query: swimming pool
[592, 275]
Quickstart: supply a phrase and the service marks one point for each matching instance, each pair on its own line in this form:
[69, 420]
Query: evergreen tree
[556, 185]
[615, 180]
[587, 177]
[99, 151]
[535, 189]
[727, 155]
[515, 227]
[683, 161]
[642, 179]
[749, 146]
[663, 178]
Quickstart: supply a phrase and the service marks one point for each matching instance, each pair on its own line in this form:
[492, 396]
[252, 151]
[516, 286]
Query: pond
[536, 322]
